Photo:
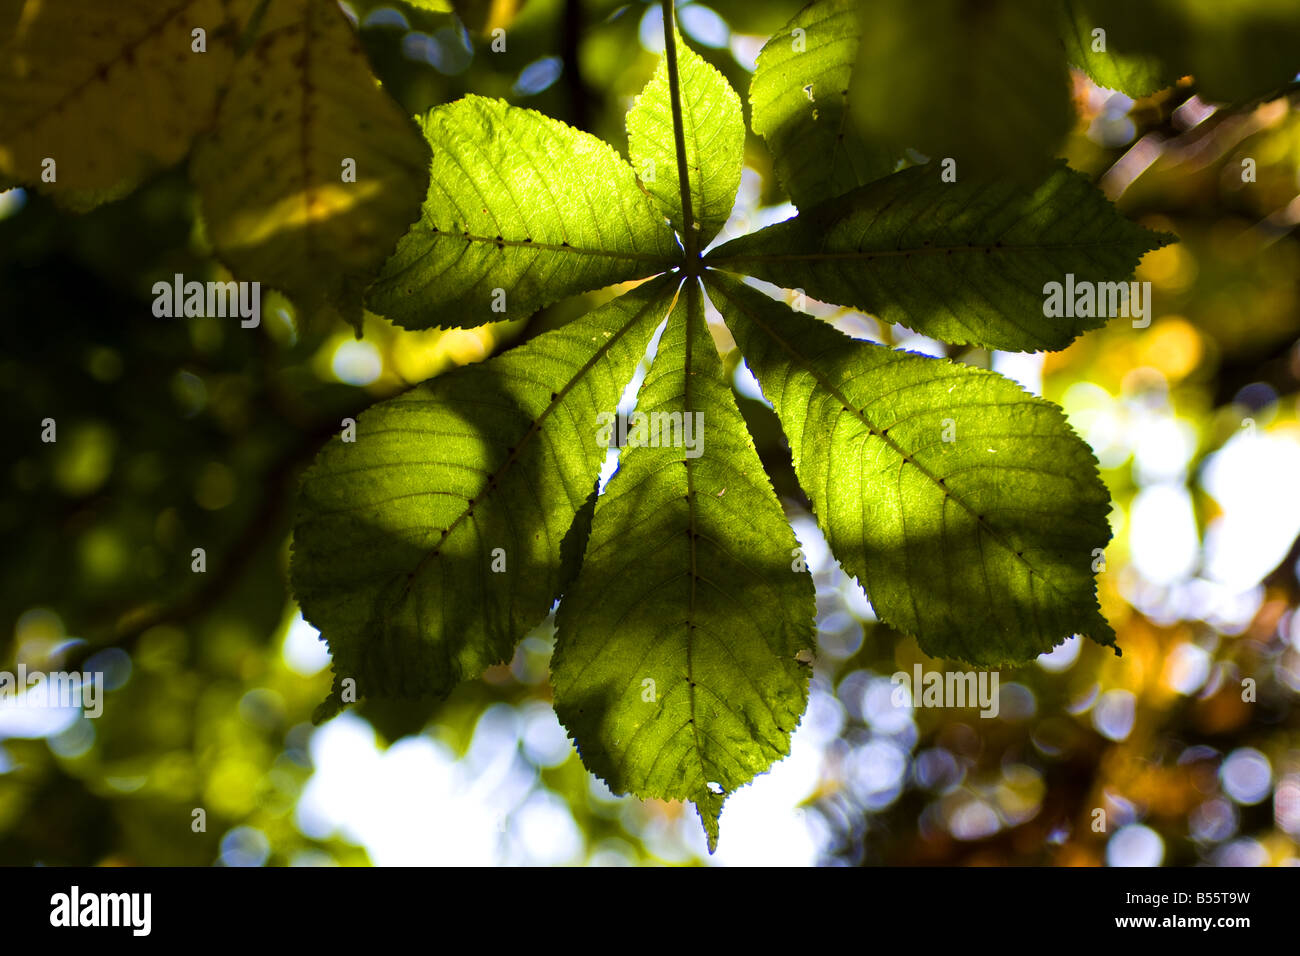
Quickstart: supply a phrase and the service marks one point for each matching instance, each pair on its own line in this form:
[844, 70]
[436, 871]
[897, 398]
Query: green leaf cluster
[430, 541]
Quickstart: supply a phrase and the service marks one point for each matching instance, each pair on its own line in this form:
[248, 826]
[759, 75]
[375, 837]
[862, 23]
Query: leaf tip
[708, 805]
[330, 707]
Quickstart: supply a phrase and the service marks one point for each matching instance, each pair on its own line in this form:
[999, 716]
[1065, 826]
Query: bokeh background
[176, 434]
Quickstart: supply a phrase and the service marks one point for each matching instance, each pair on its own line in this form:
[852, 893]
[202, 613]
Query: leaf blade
[503, 212]
[951, 539]
[931, 73]
[660, 606]
[1134, 74]
[397, 532]
[272, 174]
[1236, 52]
[714, 137]
[963, 262]
[66, 67]
[799, 102]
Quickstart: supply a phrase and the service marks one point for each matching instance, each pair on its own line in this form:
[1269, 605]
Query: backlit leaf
[1235, 51]
[110, 91]
[675, 665]
[967, 508]
[1136, 74]
[714, 135]
[980, 82]
[313, 172]
[966, 262]
[800, 105]
[522, 210]
[398, 531]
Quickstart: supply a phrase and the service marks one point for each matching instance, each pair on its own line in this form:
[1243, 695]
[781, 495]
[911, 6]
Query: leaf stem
[690, 237]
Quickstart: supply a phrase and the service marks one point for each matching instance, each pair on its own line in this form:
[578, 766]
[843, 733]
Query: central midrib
[562, 247]
[892, 253]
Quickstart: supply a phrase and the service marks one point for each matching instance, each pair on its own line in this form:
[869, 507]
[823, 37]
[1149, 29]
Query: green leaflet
[1132, 74]
[397, 532]
[522, 210]
[965, 262]
[675, 659]
[799, 99]
[714, 135]
[968, 509]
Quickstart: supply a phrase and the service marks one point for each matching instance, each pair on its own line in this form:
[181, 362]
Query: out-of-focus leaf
[303, 116]
[1236, 51]
[109, 91]
[981, 82]
[800, 105]
[1135, 74]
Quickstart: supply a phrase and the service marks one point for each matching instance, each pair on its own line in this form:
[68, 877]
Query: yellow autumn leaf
[312, 171]
[95, 95]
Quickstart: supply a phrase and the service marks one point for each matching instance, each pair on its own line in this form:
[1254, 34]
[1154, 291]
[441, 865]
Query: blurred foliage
[181, 434]
[275, 99]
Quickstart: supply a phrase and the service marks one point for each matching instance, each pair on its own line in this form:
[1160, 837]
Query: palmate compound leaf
[968, 509]
[677, 666]
[522, 210]
[313, 171]
[110, 92]
[966, 262]
[395, 553]
[714, 138]
[799, 99]
[982, 557]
